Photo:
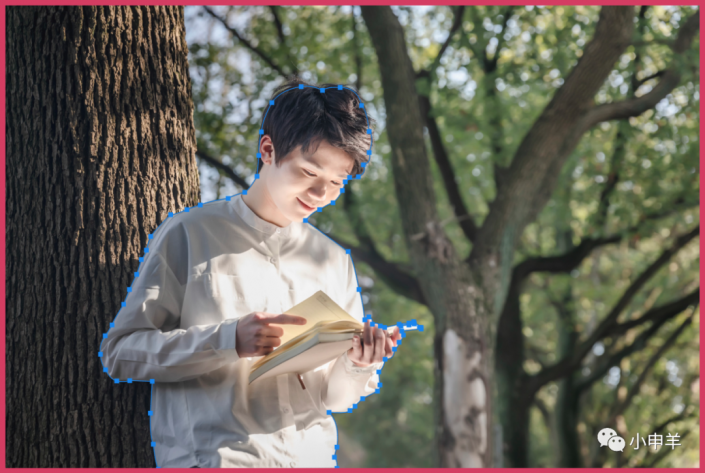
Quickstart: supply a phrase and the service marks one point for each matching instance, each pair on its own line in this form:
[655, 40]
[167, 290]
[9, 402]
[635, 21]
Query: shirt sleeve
[344, 383]
[146, 341]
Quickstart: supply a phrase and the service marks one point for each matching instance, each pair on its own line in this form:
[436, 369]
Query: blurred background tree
[599, 326]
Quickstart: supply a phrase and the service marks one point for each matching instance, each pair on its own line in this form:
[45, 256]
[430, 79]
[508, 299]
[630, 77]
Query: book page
[328, 328]
[317, 308]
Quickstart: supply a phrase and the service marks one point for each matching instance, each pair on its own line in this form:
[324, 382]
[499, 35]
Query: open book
[326, 335]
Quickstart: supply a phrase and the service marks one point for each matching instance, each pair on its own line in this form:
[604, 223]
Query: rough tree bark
[100, 147]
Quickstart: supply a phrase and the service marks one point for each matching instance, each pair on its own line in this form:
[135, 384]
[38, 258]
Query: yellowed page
[317, 308]
[340, 326]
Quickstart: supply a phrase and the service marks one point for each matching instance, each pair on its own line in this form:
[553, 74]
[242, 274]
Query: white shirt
[203, 270]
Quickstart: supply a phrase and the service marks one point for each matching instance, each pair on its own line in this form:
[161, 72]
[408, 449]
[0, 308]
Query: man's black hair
[307, 116]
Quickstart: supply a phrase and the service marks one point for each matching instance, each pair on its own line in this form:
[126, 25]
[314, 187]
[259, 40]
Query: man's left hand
[376, 343]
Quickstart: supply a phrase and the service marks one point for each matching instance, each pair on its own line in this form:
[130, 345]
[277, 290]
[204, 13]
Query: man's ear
[268, 156]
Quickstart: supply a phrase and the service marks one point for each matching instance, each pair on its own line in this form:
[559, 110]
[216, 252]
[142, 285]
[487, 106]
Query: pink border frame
[304, 2]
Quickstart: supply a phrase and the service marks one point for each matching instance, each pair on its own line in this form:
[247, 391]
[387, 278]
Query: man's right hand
[256, 336]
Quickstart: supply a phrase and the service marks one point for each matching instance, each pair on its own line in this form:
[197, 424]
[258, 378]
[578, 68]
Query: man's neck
[260, 202]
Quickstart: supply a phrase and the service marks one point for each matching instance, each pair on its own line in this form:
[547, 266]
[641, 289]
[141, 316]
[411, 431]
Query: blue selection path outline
[410, 325]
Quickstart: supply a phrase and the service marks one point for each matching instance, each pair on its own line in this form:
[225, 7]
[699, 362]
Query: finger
[380, 342]
[268, 342]
[367, 334]
[285, 319]
[388, 347]
[262, 351]
[369, 347]
[357, 349]
[396, 335]
[269, 331]
[387, 336]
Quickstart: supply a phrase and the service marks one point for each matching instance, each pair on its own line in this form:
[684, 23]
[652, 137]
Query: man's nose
[318, 191]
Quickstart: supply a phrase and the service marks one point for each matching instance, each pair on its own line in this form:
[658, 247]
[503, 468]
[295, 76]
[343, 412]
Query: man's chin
[298, 215]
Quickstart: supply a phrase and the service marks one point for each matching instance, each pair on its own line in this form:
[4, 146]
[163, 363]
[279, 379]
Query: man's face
[304, 182]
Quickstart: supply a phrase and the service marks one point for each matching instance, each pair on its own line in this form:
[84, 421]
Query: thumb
[396, 335]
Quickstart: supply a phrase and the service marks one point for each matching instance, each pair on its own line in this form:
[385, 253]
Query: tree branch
[663, 41]
[240, 181]
[662, 453]
[572, 362]
[526, 186]
[561, 263]
[410, 166]
[398, 280]
[465, 220]
[669, 80]
[491, 65]
[676, 206]
[541, 406]
[512, 210]
[656, 313]
[494, 107]
[245, 42]
[638, 344]
[475, 50]
[684, 413]
[609, 321]
[440, 154]
[634, 83]
[618, 153]
[358, 56]
[282, 38]
[634, 388]
[278, 25]
[457, 22]
[570, 260]
[358, 224]
[655, 75]
[537, 354]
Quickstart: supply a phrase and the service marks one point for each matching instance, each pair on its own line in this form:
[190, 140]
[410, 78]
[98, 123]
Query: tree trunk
[567, 401]
[463, 389]
[512, 404]
[567, 414]
[467, 297]
[100, 133]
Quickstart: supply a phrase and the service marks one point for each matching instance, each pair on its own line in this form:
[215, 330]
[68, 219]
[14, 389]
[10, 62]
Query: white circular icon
[617, 444]
[604, 435]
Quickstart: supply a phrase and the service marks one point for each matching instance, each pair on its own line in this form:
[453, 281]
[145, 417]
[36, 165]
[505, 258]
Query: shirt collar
[254, 221]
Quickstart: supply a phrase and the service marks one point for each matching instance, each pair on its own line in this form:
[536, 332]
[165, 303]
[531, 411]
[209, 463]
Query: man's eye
[310, 174]
[336, 183]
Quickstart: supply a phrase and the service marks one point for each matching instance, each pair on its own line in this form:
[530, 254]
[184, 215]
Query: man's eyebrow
[309, 157]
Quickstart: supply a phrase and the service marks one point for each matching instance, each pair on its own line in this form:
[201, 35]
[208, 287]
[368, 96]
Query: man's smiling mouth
[306, 206]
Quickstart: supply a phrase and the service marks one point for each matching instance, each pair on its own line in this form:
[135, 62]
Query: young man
[209, 296]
